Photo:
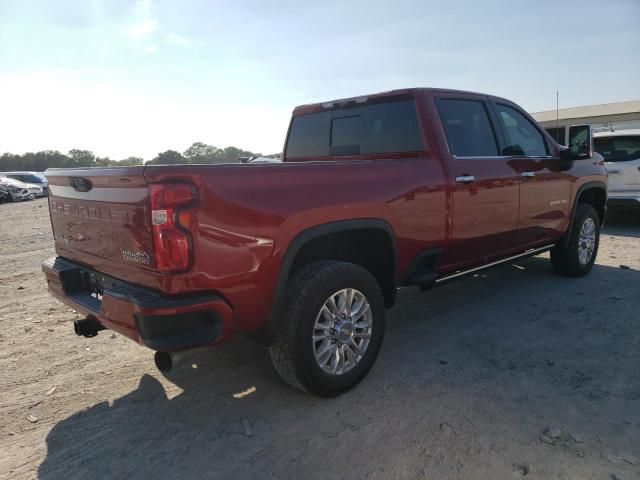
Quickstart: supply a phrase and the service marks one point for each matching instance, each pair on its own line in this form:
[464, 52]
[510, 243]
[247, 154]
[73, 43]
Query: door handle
[465, 179]
[528, 174]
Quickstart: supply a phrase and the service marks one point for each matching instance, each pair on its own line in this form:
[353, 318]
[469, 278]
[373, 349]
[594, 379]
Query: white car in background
[19, 191]
[621, 152]
[35, 178]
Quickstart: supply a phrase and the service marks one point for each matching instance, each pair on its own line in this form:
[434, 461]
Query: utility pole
[557, 116]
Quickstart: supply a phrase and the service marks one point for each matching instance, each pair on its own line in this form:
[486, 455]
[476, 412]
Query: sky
[134, 78]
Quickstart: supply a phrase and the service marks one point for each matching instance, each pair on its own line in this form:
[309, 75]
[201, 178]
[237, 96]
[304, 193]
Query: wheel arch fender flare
[266, 334]
[593, 185]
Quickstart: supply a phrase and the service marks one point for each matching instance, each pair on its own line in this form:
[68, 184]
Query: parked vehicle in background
[410, 187]
[20, 191]
[258, 159]
[264, 160]
[621, 152]
[35, 178]
[4, 194]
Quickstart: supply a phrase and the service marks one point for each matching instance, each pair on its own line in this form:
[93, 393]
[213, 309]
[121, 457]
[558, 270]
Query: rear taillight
[171, 225]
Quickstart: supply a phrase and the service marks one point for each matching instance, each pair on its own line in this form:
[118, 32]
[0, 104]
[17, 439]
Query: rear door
[485, 185]
[545, 186]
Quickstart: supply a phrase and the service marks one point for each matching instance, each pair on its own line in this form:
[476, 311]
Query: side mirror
[580, 144]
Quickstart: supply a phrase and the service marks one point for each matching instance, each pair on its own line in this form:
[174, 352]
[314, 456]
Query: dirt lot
[470, 377]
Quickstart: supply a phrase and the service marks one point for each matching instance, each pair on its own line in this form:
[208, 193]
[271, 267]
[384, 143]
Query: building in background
[608, 116]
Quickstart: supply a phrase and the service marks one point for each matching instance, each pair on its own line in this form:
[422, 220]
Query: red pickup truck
[408, 187]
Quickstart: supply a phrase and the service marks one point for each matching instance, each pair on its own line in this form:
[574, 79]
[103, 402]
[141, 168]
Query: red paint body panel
[247, 215]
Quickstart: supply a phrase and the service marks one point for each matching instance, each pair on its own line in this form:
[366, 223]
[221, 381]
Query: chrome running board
[527, 253]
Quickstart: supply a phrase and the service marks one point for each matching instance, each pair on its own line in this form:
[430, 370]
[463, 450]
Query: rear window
[309, 135]
[346, 135]
[618, 149]
[467, 127]
[370, 129]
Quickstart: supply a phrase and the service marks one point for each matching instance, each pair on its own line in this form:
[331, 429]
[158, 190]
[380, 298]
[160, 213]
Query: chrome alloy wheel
[586, 241]
[342, 331]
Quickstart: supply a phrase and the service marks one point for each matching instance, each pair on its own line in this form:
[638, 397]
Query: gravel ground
[515, 372]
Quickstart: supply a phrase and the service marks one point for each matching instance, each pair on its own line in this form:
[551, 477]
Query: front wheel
[332, 328]
[579, 254]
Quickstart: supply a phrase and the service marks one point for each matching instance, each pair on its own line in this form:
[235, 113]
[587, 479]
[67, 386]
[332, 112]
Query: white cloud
[179, 40]
[144, 24]
[142, 29]
[143, 5]
[153, 48]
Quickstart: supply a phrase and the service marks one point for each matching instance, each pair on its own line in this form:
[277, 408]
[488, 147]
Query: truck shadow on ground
[623, 222]
[455, 356]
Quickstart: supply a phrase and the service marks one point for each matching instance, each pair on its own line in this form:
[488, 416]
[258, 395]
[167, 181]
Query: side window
[309, 135]
[467, 127]
[521, 136]
[379, 128]
[390, 127]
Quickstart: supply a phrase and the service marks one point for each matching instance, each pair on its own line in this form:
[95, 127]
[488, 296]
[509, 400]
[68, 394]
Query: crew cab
[621, 152]
[413, 187]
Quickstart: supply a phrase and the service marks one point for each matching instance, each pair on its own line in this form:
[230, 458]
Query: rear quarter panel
[248, 215]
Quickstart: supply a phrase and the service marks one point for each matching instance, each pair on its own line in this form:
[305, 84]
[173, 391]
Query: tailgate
[101, 217]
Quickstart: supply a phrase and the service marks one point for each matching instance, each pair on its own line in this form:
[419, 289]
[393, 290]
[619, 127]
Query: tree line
[198, 152]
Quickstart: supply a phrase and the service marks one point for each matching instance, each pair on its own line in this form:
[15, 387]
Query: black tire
[566, 260]
[292, 353]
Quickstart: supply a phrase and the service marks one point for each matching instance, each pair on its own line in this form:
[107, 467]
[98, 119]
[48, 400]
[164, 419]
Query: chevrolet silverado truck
[412, 187]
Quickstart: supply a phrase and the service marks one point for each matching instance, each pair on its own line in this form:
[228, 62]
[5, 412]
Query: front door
[485, 185]
[545, 186]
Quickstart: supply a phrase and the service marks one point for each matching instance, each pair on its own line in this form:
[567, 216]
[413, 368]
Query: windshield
[28, 177]
[11, 181]
[618, 149]
[35, 178]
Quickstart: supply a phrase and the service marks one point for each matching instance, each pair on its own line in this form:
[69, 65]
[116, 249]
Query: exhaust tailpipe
[163, 361]
[89, 327]
[167, 361]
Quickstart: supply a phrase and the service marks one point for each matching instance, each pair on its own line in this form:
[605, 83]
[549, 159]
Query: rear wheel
[332, 330]
[579, 254]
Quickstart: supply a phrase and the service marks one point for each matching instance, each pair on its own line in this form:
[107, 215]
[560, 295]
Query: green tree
[82, 158]
[131, 161]
[37, 162]
[170, 157]
[200, 152]
[9, 162]
[48, 159]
